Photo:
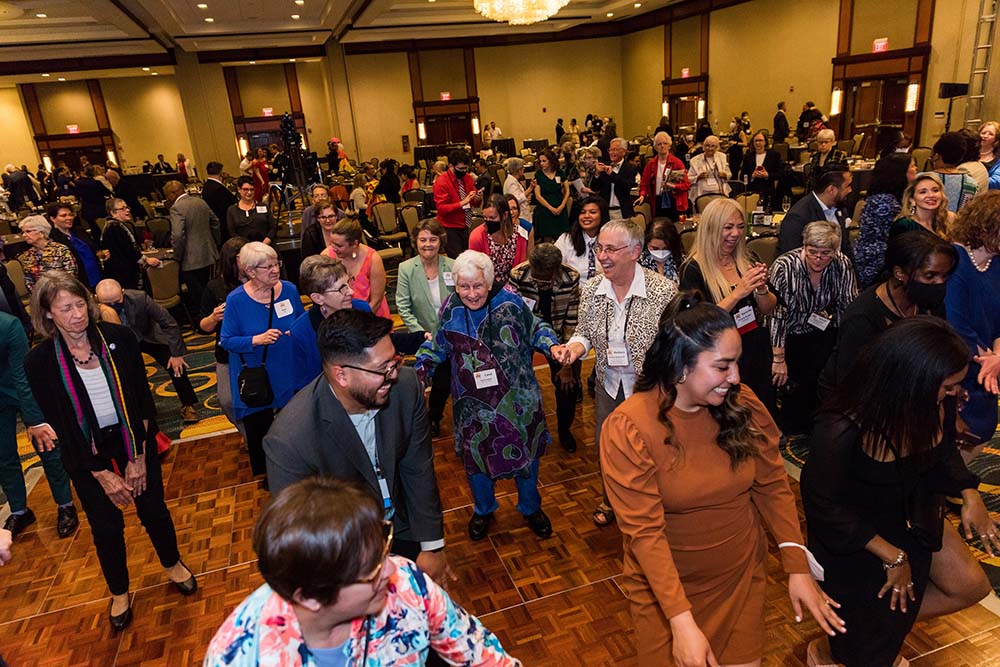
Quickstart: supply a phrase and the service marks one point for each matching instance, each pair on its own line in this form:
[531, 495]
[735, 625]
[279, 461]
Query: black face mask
[927, 296]
[492, 226]
[460, 173]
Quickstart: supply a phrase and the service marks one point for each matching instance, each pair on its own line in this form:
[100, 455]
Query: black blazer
[772, 163]
[219, 199]
[622, 182]
[313, 435]
[16, 307]
[119, 239]
[804, 211]
[46, 385]
[781, 128]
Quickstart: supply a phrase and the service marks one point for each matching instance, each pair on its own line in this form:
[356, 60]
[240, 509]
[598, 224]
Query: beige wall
[147, 115]
[750, 68]
[950, 61]
[443, 71]
[877, 18]
[209, 119]
[263, 86]
[66, 103]
[383, 105]
[18, 141]
[516, 83]
[642, 81]
[316, 105]
[685, 47]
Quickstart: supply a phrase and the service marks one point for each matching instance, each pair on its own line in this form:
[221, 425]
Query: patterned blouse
[647, 261]
[502, 256]
[418, 615]
[876, 219]
[54, 256]
[797, 299]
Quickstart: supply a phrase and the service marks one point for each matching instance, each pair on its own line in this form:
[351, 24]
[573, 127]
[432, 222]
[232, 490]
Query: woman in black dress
[882, 454]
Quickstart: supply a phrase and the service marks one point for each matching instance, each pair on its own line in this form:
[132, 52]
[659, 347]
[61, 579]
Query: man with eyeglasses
[364, 418]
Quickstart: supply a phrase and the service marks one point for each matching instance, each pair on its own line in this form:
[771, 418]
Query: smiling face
[337, 296]
[927, 195]
[246, 192]
[428, 244]
[616, 255]
[710, 146]
[590, 218]
[732, 231]
[714, 372]
[759, 143]
[63, 220]
[473, 291]
[121, 213]
[616, 151]
[987, 137]
[342, 246]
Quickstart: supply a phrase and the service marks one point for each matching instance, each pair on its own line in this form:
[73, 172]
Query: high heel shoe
[121, 621]
[190, 585]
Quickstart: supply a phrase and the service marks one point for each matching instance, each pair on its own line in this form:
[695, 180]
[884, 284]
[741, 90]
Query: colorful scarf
[114, 383]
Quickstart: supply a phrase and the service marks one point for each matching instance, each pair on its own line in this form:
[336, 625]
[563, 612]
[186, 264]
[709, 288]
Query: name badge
[530, 303]
[283, 308]
[819, 321]
[558, 180]
[467, 207]
[262, 209]
[523, 232]
[486, 378]
[746, 321]
[449, 280]
[617, 354]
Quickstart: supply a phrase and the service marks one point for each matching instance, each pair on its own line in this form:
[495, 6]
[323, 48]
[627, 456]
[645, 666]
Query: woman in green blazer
[424, 282]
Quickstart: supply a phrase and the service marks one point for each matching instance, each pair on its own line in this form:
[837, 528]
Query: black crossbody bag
[253, 383]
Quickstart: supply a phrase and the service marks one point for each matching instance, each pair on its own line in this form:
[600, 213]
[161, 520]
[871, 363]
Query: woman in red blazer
[664, 181]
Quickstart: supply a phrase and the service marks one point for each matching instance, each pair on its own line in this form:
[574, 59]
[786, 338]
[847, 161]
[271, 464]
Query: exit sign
[880, 45]
[445, 95]
[268, 111]
[685, 72]
[73, 129]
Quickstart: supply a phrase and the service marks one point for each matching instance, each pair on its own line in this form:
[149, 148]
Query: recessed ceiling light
[300, 2]
[62, 78]
[202, 5]
[430, 0]
[209, 19]
[253, 62]
[637, 5]
[291, 60]
[145, 69]
[42, 16]
[295, 16]
[46, 75]
[156, 74]
[610, 14]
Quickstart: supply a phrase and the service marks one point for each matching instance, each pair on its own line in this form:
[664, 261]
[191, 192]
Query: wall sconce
[242, 146]
[475, 125]
[665, 109]
[912, 96]
[421, 131]
[111, 157]
[836, 99]
[701, 108]
[47, 161]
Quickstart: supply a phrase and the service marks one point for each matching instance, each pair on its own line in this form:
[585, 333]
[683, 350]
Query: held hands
[751, 280]
[567, 354]
[177, 365]
[803, 590]
[269, 337]
[691, 647]
[976, 522]
[43, 437]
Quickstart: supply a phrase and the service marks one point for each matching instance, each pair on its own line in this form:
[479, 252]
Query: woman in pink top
[501, 238]
[363, 264]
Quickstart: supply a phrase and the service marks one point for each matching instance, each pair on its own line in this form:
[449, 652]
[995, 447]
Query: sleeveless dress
[363, 281]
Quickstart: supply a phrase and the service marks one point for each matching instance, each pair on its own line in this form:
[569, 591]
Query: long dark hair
[665, 230]
[689, 326]
[575, 231]
[912, 250]
[890, 393]
[227, 259]
[889, 175]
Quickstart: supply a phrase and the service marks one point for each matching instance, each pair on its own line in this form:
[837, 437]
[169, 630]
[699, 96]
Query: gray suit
[314, 435]
[151, 322]
[194, 232]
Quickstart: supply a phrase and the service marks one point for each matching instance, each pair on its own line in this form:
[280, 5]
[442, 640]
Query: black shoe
[121, 621]
[591, 384]
[68, 522]
[16, 523]
[540, 524]
[567, 441]
[479, 525]
[435, 428]
[188, 587]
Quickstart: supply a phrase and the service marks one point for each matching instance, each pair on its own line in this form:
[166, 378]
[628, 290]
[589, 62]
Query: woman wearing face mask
[925, 208]
[503, 241]
[663, 252]
[814, 285]
[917, 268]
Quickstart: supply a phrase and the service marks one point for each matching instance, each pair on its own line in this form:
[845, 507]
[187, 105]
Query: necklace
[888, 293]
[981, 269]
[85, 361]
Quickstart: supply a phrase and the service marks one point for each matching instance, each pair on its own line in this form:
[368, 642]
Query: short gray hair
[36, 223]
[711, 137]
[630, 229]
[514, 165]
[318, 273]
[620, 140]
[822, 234]
[657, 136]
[826, 133]
[471, 262]
[255, 253]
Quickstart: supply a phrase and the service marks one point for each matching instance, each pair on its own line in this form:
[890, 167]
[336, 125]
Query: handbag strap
[270, 316]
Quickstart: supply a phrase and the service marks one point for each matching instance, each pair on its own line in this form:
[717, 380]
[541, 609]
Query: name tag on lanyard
[746, 320]
[819, 321]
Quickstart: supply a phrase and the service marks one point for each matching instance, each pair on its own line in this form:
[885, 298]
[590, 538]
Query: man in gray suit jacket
[158, 334]
[364, 419]
[195, 236]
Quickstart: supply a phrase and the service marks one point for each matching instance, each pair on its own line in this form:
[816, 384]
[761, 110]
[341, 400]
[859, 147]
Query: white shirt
[661, 169]
[829, 213]
[613, 200]
[512, 186]
[716, 167]
[435, 289]
[100, 395]
[615, 376]
[579, 262]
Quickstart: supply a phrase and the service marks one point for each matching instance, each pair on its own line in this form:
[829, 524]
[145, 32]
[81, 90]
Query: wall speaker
[949, 90]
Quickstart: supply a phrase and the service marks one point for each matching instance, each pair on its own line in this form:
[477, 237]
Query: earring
[684, 377]
[913, 209]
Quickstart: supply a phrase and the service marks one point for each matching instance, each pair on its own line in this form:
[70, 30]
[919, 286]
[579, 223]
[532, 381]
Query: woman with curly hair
[692, 490]
[925, 207]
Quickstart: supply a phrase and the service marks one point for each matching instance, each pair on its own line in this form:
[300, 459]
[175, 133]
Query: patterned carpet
[986, 466]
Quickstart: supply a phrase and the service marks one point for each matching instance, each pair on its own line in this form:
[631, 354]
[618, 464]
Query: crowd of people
[884, 354]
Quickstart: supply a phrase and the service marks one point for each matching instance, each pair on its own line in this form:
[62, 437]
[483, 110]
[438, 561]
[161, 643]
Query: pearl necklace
[972, 257]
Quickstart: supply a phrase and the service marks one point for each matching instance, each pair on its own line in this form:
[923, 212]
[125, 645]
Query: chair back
[165, 282]
[16, 273]
[101, 223]
[501, 176]
[646, 210]
[859, 207]
[687, 239]
[781, 148]
[640, 220]
[385, 217]
[748, 202]
[765, 247]
[736, 188]
[5, 227]
[922, 156]
[858, 141]
[846, 145]
[158, 225]
[701, 202]
[411, 217]
[416, 195]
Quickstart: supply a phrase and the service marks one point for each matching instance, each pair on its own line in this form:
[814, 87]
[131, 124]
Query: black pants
[457, 241]
[440, 391]
[182, 385]
[196, 280]
[565, 398]
[806, 355]
[108, 524]
[257, 425]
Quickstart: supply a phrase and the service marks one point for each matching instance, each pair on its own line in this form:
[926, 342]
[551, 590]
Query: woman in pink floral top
[334, 596]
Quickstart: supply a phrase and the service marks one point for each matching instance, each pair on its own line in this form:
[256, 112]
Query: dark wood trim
[97, 101]
[471, 87]
[416, 83]
[85, 64]
[913, 51]
[233, 91]
[705, 19]
[668, 36]
[292, 83]
[135, 19]
[264, 53]
[844, 28]
[33, 108]
[924, 23]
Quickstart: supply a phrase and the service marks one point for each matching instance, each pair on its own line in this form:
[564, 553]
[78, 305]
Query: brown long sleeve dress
[691, 525]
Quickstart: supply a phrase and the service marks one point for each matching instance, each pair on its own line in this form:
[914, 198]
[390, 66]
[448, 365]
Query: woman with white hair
[513, 186]
[256, 331]
[709, 172]
[44, 253]
[664, 182]
[814, 285]
[489, 336]
[827, 154]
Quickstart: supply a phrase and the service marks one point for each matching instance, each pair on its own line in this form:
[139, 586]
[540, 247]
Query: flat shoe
[189, 586]
[121, 621]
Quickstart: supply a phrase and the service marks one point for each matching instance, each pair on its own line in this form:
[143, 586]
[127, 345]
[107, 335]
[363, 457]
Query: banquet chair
[687, 239]
[781, 148]
[846, 145]
[701, 202]
[859, 142]
[859, 206]
[922, 156]
[159, 227]
[646, 210]
[410, 213]
[765, 247]
[748, 202]
[165, 283]
[388, 225]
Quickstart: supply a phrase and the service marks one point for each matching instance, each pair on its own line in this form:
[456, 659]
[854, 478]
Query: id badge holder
[746, 320]
[617, 354]
[819, 321]
[486, 378]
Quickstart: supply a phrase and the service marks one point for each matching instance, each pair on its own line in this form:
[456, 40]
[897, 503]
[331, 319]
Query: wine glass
[786, 203]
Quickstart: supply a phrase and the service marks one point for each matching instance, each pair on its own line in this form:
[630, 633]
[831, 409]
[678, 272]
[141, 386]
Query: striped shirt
[798, 300]
[100, 395]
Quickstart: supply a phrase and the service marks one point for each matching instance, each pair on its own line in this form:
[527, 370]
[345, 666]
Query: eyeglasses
[120, 208]
[332, 216]
[268, 267]
[387, 533]
[607, 249]
[348, 286]
[386, 374]
[819, 254]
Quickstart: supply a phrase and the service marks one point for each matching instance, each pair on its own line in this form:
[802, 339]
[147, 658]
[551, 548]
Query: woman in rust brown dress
[692, 489]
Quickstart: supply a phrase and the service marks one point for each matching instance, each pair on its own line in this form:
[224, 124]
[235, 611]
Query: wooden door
[683, 113]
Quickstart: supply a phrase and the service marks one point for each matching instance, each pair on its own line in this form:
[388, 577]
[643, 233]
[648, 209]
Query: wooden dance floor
[553, 603]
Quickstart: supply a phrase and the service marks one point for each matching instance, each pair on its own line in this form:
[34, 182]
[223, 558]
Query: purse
[253, 384]
[924, 511]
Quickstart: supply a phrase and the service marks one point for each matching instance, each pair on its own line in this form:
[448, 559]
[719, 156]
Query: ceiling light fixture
[637, 5]
[519, 12]
[42, 16]
[46, 75]
[291, 60]
[62, 78]
[209, 19]
[296, 16]
[253, 62]
[155, 73]
[300, 2]
[145, 69]
[202, 5]
[610, 14]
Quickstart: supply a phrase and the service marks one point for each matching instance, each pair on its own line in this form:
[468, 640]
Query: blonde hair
[707, 241]
[996, 132]
[908, 208]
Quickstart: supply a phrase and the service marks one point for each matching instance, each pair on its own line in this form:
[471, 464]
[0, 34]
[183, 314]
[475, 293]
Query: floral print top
[53, 256]
[503, 257]
[418, 615]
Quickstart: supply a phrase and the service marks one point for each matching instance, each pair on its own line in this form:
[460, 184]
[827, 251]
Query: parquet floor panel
[26, 581]
[75, 637]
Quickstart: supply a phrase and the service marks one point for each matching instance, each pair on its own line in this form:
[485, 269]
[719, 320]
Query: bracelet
[900, 559]
[759, 293]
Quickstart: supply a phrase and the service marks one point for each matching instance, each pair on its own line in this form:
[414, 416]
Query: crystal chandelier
[519, 12]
